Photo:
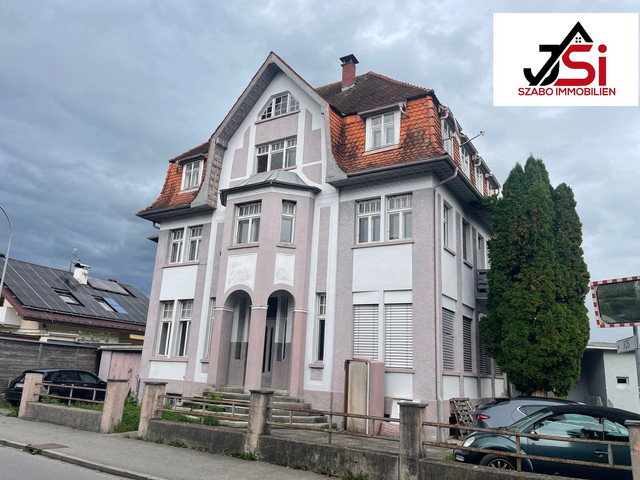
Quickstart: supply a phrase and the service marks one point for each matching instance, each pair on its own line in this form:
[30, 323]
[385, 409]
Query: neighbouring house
[317, 225]
[607, 378]
[59, 318]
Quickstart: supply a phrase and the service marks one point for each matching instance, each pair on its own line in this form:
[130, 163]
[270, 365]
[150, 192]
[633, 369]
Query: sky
[96, 97]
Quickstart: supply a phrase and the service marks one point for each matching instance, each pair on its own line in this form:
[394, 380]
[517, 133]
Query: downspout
[438, 298]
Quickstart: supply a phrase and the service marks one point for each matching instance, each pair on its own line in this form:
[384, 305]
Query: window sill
[169, 359]
[399, 370]
[466, 262]
[317, 365]
[261, 120]
[243, 245]
[386, 148]
[447, 249]
[383, 244]
[181, 264]
[286, 245]
[189, 190]
[204, 360]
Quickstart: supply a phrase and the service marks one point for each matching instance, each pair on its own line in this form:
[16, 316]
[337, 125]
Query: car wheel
[496, 461]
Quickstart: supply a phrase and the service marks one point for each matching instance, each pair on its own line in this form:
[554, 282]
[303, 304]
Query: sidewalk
[131, 458]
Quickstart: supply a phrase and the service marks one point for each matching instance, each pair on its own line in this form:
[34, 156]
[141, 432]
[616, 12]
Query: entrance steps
[280, 411]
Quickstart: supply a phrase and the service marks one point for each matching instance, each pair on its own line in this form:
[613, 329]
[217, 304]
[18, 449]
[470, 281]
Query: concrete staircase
[280, 409]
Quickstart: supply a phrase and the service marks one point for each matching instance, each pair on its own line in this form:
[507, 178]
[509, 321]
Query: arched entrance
[239, 338]
[276, 356]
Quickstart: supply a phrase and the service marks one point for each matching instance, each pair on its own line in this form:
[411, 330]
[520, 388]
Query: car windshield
[520, 424]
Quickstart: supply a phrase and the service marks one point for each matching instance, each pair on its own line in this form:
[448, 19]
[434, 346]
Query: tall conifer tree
[537, 325]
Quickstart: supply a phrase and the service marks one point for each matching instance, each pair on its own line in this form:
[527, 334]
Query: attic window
[383, 130]
[104, 304]
[67, 297]
[191, 175]
[114, 305]
[279, 105]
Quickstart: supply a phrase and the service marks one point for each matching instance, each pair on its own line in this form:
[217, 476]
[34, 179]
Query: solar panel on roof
[106, 285]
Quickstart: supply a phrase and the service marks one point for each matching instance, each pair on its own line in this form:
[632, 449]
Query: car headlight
[468, 441]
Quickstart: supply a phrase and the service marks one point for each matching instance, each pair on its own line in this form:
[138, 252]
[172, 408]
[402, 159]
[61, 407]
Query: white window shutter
[365, 331]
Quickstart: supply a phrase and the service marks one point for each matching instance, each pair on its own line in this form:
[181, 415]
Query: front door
[267, 354]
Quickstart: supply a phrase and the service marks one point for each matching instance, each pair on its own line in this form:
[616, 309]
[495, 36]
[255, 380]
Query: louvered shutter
[466, 345]
[485, 361]
[365, 331]
[448, 357]
[398, 335]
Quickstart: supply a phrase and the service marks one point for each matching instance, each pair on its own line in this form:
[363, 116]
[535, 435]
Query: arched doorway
[239, 339]
[276, 356]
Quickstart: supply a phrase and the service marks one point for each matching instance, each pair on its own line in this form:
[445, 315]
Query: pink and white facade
[319, 224]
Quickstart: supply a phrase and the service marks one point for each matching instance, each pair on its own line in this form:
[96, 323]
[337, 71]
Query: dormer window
[279, 105]
[191, 175]
[464, 160]
[383, 130]
[277, 155]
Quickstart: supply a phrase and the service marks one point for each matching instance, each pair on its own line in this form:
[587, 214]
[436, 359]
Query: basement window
[622, 380]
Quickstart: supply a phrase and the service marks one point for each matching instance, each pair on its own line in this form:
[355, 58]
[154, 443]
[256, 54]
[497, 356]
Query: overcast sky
[96, 96]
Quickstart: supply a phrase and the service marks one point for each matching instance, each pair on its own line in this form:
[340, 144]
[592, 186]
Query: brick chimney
[349, 63]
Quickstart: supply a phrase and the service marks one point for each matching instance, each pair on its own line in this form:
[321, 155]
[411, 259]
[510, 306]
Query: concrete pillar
[259, 415]
[412, 415]
[298, 340]
[634, 445]
[151, 401]
[117, 390]
[30, 393]
[253, 374]
[220, 343]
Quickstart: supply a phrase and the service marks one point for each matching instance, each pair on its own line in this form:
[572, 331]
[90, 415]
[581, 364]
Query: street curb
[63, 457]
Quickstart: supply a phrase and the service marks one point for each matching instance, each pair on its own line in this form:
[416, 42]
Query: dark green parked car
[569, 421]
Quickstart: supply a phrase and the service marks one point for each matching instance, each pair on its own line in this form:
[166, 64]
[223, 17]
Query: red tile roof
[170, 196]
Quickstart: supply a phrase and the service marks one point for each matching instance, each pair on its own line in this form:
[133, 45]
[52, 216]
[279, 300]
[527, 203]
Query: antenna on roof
[74, 259]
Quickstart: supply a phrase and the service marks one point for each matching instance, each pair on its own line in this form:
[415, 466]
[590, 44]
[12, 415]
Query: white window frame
[194, 240]
[448, 135]
[465, 162]
[369, 211]
[447, 224]
[206, 352]
[387, 125]
[249, 212]
[321, 327]
[466, 242]
[481, 261]
[479, 180]
[185, 307]
[176, 242]
[280, 104]
[400, 205]
[191, 173]
[285, 150]
[287, 221]
[163, 343]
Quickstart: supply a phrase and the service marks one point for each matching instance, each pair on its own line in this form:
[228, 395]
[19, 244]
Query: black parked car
[568, 421]
[504, 411]
[62, 376]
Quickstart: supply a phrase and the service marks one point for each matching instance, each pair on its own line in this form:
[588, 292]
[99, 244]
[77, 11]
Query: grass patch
[238, 454]
[181, 417]
[448, 458]
[349, 475]
[178, 442]
[130, 416]
[323, 471]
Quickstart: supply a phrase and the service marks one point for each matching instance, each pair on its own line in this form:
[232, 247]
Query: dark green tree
[537, 326]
